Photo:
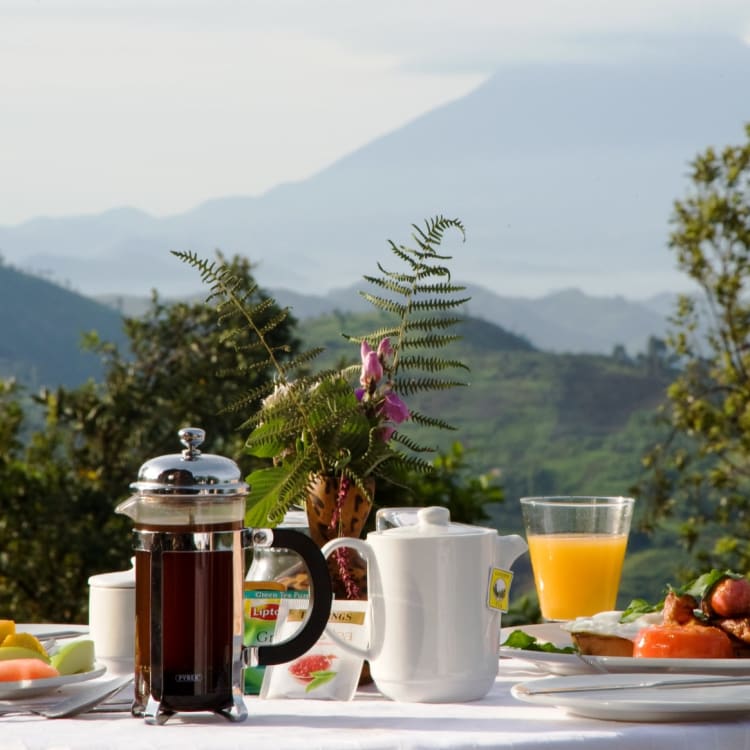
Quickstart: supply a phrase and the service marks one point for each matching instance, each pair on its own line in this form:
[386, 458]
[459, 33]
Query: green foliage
[315, 424]
[62, 482]
[41, 344]
[453, 483]
[701, 471]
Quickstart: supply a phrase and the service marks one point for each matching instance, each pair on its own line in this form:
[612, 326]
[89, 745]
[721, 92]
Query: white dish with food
[578, 664]
[32, 688]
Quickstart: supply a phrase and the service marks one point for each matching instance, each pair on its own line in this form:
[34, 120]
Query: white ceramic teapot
[436, 592]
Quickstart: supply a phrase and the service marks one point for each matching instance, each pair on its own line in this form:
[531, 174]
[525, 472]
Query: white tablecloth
[369, 722]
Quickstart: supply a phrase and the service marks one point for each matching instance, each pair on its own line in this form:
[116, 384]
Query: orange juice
[576, 574]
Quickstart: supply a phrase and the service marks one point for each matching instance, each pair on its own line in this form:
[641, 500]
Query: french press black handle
[321, 595]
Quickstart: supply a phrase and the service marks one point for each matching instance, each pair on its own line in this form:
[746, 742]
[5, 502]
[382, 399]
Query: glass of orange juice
[577, 547]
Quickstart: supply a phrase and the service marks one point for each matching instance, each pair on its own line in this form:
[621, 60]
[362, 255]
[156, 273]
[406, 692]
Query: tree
[701, 472]
[60, 487]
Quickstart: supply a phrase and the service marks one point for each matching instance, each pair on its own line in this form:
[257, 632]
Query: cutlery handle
[660, 683]
[78, 704]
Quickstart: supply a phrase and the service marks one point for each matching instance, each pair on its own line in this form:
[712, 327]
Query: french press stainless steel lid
[188, 487]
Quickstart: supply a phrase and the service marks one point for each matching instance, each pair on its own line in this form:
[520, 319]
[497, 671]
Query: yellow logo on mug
[498, 592]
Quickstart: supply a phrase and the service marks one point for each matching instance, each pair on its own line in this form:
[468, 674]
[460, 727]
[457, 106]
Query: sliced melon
[19, 652]
[15, 670]
[74, 657]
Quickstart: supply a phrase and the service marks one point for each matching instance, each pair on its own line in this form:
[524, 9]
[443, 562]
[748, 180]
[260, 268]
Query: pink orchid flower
[372, 370]
[385, 351]
[394, 409]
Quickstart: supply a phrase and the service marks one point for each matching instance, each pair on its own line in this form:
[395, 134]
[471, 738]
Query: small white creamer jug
[112, 619]
[436, 592]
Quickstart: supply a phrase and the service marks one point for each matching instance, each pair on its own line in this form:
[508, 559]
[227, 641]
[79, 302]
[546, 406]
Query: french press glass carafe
[188, 511]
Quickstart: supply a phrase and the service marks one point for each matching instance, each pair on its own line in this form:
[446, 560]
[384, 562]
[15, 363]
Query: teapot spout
[508, 549]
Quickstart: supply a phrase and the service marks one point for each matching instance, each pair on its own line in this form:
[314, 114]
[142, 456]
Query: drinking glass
[577, 547]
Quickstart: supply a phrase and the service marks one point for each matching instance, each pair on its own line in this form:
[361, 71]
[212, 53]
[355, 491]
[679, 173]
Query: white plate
[31, 688]
[47, 630]
[696, 703]
[572, 664]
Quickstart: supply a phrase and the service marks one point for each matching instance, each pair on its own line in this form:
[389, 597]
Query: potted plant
[329, 435]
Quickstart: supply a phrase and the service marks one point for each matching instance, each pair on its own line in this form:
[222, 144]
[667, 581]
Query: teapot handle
[365, 550]
[321, 596]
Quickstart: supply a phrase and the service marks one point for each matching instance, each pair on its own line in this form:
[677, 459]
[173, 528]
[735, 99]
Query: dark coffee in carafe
[189, 571]
[191, 665]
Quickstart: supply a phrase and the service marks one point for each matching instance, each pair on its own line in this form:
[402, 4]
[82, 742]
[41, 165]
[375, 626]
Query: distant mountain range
[41, 345]
[564, 176]
[567, 321]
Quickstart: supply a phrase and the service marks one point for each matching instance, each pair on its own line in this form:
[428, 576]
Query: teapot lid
[190, 472]
[434, 521]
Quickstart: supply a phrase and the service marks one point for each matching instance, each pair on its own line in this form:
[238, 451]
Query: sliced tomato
[682, 642]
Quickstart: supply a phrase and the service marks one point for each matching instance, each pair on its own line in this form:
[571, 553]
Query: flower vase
[329, 517]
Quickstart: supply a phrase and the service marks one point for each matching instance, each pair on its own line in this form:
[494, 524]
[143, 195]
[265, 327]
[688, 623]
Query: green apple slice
[74, 657]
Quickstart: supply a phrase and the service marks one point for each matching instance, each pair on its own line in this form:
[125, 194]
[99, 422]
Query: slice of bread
[593, 644]
[603, 634]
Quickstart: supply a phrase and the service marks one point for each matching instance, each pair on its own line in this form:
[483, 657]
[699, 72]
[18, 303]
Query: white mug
[436, 591]
[112, 619]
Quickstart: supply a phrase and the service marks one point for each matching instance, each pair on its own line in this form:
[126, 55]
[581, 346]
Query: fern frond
[436, 228]
[388, 305]
[229, 312]
[374, 337]
[429, 342]
[404, 255]
[417, 385]
[439, 288]
[294, 491]
[247, 369]
[274, 322]
[431, 364]
[301, 359]
[427, 324]
[405, 278]
[412, 463]
[248, 399]
[438, 304]
[425, 421]
[411, 444]
[391, 285]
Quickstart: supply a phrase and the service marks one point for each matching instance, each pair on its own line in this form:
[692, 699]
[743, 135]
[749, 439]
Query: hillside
[564, 175]
[40, 343]
[541, 419]
[543, 423]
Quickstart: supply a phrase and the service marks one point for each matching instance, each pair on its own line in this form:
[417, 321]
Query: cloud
[162, 104]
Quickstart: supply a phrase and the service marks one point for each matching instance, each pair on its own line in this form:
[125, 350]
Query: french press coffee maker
[188, 511]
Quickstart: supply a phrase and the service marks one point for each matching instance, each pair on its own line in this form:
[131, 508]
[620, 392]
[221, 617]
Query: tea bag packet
[325, 672]
[274, 576]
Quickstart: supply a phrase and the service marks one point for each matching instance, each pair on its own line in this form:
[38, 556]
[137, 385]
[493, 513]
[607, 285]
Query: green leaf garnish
[704, 583]
[319, 678]
[638, 607]
[519, 639]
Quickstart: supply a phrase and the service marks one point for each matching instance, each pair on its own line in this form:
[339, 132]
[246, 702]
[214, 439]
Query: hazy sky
[162, 104]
